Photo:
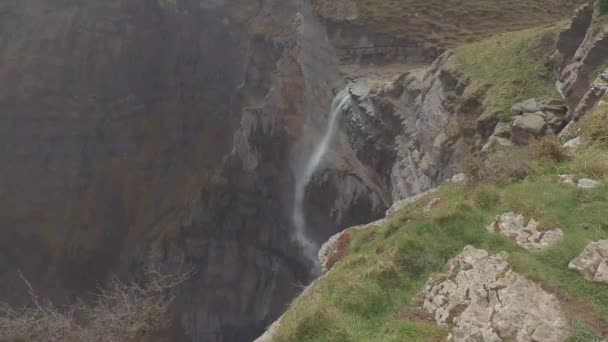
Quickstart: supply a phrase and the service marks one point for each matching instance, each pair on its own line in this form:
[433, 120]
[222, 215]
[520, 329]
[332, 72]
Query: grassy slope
[371, 294]
[447, 23]
[509, 67]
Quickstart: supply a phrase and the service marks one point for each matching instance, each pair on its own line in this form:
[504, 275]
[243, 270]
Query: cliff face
[171, 132]
[142, 131]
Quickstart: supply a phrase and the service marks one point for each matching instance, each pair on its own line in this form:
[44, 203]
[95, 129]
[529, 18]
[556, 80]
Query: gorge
[233, 137]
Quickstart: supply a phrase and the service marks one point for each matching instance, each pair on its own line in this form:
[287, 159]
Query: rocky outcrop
[528, 236]
[587, 36]
[482, 299]
[592, 263]
[572, 36]
[534, 118]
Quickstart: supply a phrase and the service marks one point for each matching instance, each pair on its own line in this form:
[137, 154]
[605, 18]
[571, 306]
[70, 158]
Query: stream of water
[309, 247]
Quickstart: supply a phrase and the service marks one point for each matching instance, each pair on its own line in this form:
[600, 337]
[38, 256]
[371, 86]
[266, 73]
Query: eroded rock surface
[592, 263]
[528, 236]
[482, 299]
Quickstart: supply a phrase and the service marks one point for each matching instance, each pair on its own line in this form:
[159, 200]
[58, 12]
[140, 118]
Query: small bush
[595, 127]
[550, 148]
[485, 196]
[122, 312]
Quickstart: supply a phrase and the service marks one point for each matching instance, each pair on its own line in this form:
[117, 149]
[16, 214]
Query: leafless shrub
[121, 312]
[549, 148]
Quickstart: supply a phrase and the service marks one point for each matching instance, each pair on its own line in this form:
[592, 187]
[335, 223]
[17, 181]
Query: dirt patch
[414, 314]
[575, 309]
[342, 247]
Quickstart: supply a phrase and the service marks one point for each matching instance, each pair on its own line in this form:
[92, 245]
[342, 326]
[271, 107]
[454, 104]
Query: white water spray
[299, 219]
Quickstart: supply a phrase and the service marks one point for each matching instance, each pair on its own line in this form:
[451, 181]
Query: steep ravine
[172, 132]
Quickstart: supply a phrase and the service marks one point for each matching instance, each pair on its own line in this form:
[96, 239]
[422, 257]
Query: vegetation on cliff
[508, 68]
[373, 291]
[371, 294]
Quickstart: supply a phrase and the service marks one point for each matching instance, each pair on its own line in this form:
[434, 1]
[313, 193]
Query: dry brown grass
[121, 312]
[549, 148]
[501, 167]
[595, 127]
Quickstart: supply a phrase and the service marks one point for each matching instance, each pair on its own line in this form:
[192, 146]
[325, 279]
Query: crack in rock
[487, 301]
[592, 263]
[530, 236]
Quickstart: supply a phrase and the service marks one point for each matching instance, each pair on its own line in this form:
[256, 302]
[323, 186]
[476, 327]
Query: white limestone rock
[583, 183]
[592, 263]
[528, 236]
[482, 299]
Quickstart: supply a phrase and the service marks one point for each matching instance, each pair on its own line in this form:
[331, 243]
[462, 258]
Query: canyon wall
[164, 132]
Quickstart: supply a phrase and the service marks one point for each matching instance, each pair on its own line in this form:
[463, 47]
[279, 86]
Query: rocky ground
[514, 250]
[171, 132]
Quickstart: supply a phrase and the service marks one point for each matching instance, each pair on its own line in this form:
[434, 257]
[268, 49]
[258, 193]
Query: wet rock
[592, 263]
[528, 236]
[482, 299]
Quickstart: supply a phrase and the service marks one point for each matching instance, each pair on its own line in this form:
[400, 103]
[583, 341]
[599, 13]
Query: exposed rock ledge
[593, 262]
[482, 299]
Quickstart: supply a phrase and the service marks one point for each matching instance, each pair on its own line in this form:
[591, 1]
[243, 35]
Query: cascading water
[309, 247]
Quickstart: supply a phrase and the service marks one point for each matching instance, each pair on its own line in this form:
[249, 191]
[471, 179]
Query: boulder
[528, 236]
[592, 263]
[482, 299]
[534, 118]
[526, 127]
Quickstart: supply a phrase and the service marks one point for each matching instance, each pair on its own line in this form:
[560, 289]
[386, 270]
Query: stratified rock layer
[482, 299]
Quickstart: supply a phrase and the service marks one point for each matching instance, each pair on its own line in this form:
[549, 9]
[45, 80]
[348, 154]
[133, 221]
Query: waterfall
[309, 247]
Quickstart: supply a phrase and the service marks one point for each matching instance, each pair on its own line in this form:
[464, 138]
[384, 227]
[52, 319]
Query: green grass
[595, 127]
[509, 67]
[361, 298]
[372, 294]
